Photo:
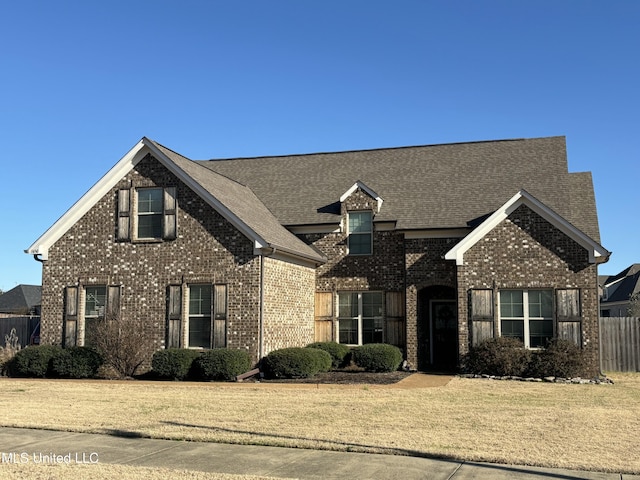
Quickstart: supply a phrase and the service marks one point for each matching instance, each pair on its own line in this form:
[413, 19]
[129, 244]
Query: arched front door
[437, 329]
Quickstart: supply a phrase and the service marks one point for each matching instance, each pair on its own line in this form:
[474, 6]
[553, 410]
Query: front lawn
[589, 427]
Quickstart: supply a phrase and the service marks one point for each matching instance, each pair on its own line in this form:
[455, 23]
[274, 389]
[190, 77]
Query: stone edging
[576, 380]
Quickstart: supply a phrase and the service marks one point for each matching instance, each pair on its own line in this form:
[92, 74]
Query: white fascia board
[203, 193]
[366, 189]
[87, 201]
[597, 253]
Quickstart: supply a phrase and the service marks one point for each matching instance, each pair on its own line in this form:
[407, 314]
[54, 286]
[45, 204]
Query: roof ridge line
[405, 147]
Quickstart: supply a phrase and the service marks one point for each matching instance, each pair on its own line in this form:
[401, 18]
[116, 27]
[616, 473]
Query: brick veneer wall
[425, 267]
[288, 305]
[208, 249]
[383, 270]
[525, 251]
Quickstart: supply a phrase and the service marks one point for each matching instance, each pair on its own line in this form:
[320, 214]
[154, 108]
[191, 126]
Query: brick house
[431, 248]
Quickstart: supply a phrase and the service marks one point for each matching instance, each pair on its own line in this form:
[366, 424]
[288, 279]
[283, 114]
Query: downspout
[35, 256]
[261, 334]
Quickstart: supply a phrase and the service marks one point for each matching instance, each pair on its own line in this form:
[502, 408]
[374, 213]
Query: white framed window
[150, 212]
[95, 304]
[527, 315]
[199, 315]
[360, 317]
[147, 214]
[360, 233]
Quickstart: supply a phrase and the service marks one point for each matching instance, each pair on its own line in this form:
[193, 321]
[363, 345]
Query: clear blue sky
[81, 82]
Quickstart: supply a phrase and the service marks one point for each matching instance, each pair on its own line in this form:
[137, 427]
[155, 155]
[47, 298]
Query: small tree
[124, 346]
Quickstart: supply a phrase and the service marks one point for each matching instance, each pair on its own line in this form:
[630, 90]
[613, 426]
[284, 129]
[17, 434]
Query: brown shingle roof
[244, 204]
[436, 186]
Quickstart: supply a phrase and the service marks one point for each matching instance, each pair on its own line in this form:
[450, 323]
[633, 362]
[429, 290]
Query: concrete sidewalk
[26, 445]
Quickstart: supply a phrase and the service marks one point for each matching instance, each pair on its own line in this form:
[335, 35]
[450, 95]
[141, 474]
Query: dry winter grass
[589, 427]
[102, 471]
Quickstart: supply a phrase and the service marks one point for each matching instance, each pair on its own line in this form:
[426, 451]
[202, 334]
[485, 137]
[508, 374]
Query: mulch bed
[347, 378]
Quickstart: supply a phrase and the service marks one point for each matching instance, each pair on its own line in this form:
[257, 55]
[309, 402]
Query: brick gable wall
[525, 251]
[208, 249]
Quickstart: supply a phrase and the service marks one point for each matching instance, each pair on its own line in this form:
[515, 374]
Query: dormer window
[360, 233]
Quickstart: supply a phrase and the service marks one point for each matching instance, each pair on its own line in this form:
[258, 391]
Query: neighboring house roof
[21, 299]
[423, 187]
[621, 286]
[234, 201]
[597, 253]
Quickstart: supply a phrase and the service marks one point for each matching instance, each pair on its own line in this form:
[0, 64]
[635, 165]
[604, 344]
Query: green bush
[502, 356]
[339, 352]
[560, 358]
[76, 362]
[296, 362]
[173, 363]
[221, 364]
[33, 361]
[378, 357]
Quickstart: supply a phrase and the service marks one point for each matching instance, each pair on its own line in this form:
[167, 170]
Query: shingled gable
[234, 201]
[597, 253]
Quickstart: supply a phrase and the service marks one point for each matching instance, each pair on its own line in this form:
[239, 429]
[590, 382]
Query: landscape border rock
[576, 380]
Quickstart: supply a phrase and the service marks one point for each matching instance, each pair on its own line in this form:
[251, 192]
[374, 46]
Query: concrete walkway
[276, 462]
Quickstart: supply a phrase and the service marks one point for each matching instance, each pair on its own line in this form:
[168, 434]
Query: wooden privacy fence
[25, 327]
[620, 344]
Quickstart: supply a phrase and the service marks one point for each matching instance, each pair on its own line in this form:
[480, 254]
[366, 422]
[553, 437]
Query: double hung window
[200, 299]
[360, 239]
[95, 303]
[527, 315]
[360, 317]
[150, 210]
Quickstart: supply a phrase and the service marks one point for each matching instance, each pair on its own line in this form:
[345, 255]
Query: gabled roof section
[365, 189]
[234, 201]
[597, 253]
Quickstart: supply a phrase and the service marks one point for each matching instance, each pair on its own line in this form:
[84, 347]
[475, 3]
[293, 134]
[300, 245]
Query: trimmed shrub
[560, 358]
[33, 361]
[339, 352]
[174, 363]
[502, 356]
[221, 364]
[296, 362]
[378, 357]
[76, 362]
